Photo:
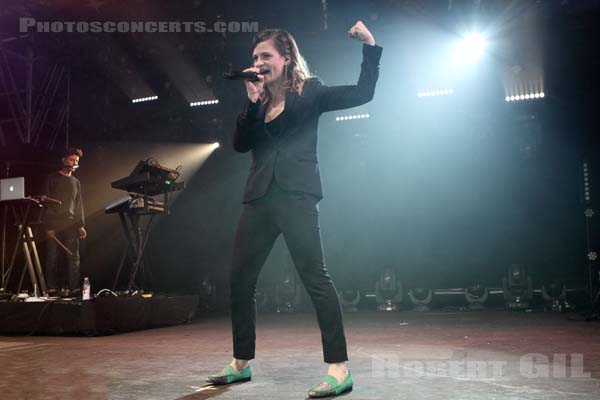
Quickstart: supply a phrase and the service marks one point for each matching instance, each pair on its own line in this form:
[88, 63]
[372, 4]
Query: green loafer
[334, 388]
[230, 376]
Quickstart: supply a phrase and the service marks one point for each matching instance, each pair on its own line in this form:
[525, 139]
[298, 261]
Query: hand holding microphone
[253, 79]
[255, 89]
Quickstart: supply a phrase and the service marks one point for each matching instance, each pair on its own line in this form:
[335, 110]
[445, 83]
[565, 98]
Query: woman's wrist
[370, 41]
[254, 96]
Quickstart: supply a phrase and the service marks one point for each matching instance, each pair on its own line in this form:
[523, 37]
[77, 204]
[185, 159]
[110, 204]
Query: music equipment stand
[23, 210]
[147, 179]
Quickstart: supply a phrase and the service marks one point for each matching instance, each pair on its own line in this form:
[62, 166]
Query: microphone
[241, 76]
[73, 167]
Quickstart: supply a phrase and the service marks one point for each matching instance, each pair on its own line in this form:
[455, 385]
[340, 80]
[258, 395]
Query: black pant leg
[299, 221]
[51, 265]
[71, 241]
[255, 236]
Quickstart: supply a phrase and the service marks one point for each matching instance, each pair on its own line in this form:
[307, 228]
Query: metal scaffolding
[37, 95]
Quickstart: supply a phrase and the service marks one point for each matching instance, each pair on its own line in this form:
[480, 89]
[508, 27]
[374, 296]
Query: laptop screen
[12, 188]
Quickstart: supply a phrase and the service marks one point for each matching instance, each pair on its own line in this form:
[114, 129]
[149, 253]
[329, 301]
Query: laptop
[12, 189]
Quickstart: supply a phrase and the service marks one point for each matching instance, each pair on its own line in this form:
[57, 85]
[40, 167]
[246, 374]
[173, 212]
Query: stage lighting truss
[351, 117]
[143, 99]
[527, 96]
[435, 93]
[204, 103]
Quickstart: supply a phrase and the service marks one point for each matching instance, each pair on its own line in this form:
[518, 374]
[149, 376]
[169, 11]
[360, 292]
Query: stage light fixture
[204, 103]
[262, 300]
[589, 213]
[143, 99]
[288, 294]
[517, 287]
[586, 183]
[476, 296]
[207, 292]
[349, 299]
[526, 96]
[351, 117]
[420, 298]
[388, 290]
[435, 93]
[470, 48]
[555, 297]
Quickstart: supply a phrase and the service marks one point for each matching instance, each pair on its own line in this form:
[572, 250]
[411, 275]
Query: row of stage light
[445, 92]
[143, 99]
[431, 93]
[215, 101]
[349, 117]
[466, 51]
[420, 94]
[192, 104]
[528, 96]
[519, 97]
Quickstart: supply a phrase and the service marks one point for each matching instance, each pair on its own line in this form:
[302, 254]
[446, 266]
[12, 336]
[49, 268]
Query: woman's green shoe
[228, 375]
[333, 388]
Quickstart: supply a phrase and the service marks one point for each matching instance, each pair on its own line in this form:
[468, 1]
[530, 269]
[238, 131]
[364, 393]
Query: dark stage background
[450, 191]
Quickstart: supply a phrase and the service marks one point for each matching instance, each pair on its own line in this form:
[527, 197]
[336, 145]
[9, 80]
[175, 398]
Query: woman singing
[279, 125]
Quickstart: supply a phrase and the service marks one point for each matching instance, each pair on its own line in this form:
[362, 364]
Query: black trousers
[296, 216]
[57, 257]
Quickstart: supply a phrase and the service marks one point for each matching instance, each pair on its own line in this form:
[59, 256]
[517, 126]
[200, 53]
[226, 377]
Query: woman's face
[268, 60]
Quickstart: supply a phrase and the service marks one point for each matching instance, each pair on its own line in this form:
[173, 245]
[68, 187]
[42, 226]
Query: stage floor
[404, 355]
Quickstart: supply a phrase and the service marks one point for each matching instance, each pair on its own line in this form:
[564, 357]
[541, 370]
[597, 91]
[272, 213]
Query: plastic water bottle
[86, 288]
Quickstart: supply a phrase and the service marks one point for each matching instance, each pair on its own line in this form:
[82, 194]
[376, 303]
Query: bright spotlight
[216, 145]
[470, 48]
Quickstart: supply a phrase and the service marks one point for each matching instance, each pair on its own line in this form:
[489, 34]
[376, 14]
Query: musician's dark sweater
[66, 189]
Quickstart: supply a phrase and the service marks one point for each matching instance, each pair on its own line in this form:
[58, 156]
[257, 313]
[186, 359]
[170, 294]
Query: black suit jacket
[291, 157]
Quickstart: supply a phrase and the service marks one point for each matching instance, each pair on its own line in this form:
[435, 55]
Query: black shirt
[275, 126]
[66, 189]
